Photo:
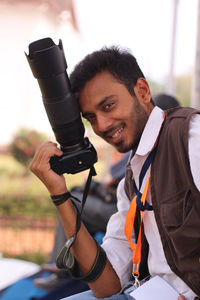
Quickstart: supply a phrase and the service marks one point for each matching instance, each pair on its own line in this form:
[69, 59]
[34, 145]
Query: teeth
[117, 133]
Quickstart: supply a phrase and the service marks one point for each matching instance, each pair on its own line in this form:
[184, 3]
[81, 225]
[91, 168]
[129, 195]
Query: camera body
[48, 64]
[75, 161]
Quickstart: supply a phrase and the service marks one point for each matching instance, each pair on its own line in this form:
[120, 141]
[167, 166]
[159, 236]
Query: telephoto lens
[48, 64]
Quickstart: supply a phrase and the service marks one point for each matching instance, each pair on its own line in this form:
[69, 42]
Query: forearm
[85, 250]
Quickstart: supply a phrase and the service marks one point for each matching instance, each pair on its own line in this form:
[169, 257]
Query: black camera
[48, 64]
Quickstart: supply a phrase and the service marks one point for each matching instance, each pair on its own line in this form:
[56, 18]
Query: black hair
[165, 101]
[120, 63]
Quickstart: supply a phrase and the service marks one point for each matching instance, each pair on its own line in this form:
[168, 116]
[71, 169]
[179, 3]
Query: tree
[156, 88]
[24, 144]
[183, 88]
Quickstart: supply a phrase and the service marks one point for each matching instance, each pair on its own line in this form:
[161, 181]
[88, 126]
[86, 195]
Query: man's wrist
[57, 190]
[60, 198]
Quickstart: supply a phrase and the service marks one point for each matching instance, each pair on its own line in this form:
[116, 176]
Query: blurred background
[164, 36]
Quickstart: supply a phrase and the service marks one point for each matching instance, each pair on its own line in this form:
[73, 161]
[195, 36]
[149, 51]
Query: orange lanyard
[129, 224]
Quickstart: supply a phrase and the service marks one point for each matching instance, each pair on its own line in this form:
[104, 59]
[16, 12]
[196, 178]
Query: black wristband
[66, 260]
[95, 271]
[61, 198]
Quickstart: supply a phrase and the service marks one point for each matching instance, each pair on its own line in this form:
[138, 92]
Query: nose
[103, 123]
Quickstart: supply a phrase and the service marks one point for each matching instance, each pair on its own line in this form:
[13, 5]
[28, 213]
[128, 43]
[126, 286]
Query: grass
[37, 258]
[9, 166]
[23, 193]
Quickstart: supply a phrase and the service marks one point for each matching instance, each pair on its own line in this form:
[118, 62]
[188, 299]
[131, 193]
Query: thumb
[181, 297]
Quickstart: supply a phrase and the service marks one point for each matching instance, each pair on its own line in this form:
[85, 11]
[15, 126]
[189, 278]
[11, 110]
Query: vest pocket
[181, 224]
[175, 209]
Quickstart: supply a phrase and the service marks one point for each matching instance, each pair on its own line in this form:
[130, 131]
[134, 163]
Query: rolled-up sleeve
[115, 243]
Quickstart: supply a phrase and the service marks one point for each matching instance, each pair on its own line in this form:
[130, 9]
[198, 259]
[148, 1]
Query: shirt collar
[150, 132]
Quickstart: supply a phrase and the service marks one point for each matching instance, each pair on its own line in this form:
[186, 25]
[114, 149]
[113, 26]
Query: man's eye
[108, 106]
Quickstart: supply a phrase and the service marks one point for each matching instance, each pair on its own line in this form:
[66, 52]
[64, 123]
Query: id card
[155, 288]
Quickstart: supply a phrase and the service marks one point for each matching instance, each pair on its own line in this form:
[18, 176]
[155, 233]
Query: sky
[143, 26]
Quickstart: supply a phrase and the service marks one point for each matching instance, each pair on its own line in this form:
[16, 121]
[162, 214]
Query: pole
[171, 76]
[195, 101]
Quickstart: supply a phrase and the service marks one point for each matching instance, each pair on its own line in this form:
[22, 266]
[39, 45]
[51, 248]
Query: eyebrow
[85, 114]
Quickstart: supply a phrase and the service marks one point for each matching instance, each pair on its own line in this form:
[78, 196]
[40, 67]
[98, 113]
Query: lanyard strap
[129, 224]
[139, 201]
[144, 206]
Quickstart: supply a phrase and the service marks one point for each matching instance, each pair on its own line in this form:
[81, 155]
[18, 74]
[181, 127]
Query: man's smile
[114, 135]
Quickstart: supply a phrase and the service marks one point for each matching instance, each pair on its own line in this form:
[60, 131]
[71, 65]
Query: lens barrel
[48, 64]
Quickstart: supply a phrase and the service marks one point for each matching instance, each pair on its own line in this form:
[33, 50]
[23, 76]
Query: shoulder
[178, 122]
[122, 199]
[181, 112]
[195, 122]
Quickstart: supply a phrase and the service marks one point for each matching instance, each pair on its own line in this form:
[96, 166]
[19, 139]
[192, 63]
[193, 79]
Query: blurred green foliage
[156, 88]
[24, 144]
[183, 89]
[21, 194]
[37, 258]
[24, 194]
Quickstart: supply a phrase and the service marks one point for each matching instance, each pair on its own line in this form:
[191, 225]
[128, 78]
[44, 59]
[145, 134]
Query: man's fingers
[181, 297]
[42, 156]
[46, 153]
[40, 166]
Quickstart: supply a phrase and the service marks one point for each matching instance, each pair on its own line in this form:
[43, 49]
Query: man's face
[114, 114]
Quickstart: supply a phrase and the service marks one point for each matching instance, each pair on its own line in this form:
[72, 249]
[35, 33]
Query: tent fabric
[24, 289]
[12, 270]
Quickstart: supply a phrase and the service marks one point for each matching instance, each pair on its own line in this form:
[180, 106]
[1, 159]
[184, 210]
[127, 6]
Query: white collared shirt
[115, 243]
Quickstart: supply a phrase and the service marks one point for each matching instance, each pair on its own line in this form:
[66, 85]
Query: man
[115, 98]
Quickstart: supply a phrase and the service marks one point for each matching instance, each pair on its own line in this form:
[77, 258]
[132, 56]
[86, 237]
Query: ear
[142, 91]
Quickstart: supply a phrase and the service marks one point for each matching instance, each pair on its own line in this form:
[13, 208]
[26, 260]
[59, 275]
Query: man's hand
[40, 166]
[84, 249]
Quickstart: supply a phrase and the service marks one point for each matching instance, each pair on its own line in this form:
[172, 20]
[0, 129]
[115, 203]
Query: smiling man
[103, 96]
[156, 228]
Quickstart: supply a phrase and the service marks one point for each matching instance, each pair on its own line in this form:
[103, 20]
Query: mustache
[111, 130]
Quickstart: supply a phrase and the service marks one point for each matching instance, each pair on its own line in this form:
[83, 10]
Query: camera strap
[65, 259]
[92, 172]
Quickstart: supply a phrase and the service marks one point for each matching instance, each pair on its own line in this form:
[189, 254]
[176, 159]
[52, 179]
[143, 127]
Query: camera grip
[74, 162]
